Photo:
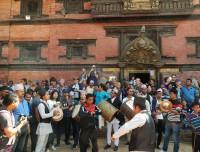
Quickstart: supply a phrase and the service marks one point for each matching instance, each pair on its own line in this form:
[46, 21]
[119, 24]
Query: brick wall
[174, 46]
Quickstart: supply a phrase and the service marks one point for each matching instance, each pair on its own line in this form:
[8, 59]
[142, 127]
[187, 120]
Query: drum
[108, 110]
[127, 109]
[58, 117]
[75, 113]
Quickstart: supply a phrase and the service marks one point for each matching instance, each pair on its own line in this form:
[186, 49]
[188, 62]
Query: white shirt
[115, 120]
[51, 104]
[131, 101]
[159, 116]
[137, 121]
[44, 128]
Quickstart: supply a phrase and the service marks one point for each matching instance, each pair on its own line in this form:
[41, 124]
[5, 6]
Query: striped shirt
[171, 116]
[193, 120]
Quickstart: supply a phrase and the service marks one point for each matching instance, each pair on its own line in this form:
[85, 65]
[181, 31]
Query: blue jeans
[171, 127]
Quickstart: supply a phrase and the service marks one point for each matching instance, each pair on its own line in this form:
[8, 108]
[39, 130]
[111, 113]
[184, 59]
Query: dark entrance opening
[144, 77]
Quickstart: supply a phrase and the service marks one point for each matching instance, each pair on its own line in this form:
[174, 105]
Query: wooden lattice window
[30, 51]
[76, 48]
[31, 7]
[73, 6]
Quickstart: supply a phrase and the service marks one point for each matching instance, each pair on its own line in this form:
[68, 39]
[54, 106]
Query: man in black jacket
[115, 122]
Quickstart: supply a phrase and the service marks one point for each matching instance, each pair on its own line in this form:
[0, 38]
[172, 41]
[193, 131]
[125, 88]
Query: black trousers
[195, 142]
[33, 128]
[76, 131]
[67, 126]
[58, 130]
[85, 135]
[20, 141]
[160, 130]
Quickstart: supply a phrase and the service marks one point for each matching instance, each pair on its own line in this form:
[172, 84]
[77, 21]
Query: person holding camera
[22, 109]
[8, 130]
[44, 127]
[93, 75]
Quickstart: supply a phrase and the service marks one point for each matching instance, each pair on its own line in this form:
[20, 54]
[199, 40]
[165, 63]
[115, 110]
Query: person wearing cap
[146, 95]
[90, 88]
[119, 90]
[173, 122]
[115, 122]
[93, 74]
[8, 127]
[158, 116]
[22, 109]
[142, 127]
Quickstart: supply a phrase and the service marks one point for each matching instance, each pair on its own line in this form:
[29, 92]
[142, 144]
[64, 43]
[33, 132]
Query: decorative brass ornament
[141, 4]
[141, 51]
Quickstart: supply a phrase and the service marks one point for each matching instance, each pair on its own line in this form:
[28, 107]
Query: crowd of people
[27, 110]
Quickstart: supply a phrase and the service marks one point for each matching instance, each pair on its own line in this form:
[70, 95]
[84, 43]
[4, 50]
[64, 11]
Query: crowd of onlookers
[30, 93]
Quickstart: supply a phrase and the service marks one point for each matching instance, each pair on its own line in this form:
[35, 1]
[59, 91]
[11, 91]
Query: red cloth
[89, 108]
[177, 105]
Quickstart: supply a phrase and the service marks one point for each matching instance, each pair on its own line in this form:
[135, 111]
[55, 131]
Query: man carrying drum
[115, 122]
[142, 126]
[130, 99]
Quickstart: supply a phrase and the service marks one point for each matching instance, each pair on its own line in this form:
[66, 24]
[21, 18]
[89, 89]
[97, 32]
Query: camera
[23, 117]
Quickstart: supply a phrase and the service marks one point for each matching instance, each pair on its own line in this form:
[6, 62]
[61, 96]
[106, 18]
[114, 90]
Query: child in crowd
[193, 120]
[88, 128]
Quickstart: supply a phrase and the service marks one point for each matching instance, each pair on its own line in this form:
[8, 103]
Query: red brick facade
[14, 29]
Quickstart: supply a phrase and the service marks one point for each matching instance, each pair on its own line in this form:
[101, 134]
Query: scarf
[89, 108]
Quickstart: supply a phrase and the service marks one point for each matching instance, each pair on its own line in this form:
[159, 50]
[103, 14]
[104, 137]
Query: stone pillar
[121, 65]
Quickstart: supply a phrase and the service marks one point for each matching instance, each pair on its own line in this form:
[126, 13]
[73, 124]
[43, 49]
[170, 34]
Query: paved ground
[184, 146]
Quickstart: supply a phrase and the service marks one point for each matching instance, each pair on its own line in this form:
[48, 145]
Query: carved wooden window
[1, 48]
[76, 48]
[195, 41]
[30, 51]
[31, 7]
[73, 6]
[29, 54]
[77, 51]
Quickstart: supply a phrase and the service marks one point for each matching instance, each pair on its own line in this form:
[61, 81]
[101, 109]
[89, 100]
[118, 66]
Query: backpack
[6, 144]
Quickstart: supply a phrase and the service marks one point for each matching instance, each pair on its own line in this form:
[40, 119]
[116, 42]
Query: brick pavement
[184, 146]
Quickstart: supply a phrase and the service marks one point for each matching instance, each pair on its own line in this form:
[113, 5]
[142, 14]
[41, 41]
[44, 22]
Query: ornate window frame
[26, 46]
[71, 44]
[25, 11]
